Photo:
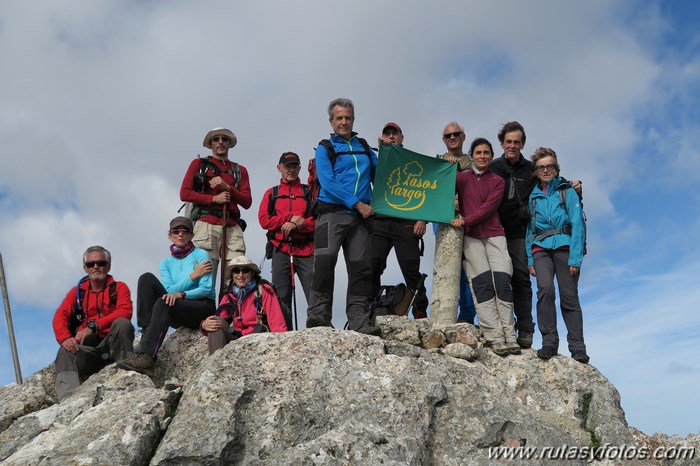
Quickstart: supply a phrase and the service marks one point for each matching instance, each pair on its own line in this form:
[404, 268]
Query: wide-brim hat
[220, 132]
[240, 262]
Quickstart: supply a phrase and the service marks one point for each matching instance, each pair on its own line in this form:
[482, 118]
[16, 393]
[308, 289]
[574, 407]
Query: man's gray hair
[108, 256]
[341, 102]
[453, 123]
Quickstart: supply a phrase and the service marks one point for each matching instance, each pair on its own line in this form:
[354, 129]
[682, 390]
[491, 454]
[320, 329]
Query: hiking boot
[500, 349]
[546, 352]
[370, 330]
[581, 357]
[315, 321]
[142, 363]
[513, 347]
[525, 340]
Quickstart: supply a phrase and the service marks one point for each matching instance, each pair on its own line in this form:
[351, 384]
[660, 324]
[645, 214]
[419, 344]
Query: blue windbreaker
[349, 181]
[550, 213]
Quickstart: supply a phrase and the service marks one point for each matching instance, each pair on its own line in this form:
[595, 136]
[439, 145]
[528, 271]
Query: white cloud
[105, 104]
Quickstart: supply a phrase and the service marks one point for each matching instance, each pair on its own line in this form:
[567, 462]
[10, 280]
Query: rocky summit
[420, 395]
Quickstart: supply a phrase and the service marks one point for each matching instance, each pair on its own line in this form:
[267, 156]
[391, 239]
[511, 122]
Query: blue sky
[105, 104]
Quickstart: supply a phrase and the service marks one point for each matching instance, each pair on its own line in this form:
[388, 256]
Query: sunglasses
[237, 270]
[456, 134]
[220, 139]
[177, 231]
[91, 264]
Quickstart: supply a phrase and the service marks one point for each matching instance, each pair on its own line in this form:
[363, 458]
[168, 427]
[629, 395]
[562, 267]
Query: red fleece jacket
[96, 306]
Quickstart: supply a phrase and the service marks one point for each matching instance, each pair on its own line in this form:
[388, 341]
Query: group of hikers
[518, 217]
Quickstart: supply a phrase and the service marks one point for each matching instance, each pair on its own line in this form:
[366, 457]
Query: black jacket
[520, 181]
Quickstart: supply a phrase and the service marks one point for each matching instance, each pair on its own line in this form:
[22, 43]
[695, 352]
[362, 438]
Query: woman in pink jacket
[250, 306]
[486, 259]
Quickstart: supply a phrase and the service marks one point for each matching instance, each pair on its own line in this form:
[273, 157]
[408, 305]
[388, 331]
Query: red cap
[391, 124]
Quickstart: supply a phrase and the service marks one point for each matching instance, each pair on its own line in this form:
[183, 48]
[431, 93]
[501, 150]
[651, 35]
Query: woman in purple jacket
[486, 257]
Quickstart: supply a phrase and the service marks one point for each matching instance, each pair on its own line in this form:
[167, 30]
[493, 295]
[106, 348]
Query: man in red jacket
[92, 324]
[217, 187]
[285, 212]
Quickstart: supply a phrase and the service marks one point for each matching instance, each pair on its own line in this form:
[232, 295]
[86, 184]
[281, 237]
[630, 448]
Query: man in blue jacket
[345, 166]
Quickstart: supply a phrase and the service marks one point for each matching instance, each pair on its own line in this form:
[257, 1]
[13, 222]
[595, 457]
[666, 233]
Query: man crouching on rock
[92, 324]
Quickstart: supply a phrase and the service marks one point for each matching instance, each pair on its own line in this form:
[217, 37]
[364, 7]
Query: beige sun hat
[220, 132]
[240, 262]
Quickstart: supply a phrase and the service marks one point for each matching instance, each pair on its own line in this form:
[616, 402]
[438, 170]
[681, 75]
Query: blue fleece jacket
[550, 213]
[349, 181]
[175, 276]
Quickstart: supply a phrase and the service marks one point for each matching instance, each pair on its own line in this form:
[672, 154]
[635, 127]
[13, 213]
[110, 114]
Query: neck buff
[181, 253]
[241, 293]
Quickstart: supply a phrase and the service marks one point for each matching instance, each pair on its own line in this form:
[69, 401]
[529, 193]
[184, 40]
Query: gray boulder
[320, 396]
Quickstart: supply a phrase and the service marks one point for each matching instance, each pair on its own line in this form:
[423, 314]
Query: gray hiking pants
[333, 231]
[92, 356]
[549, 263]
[488, 269]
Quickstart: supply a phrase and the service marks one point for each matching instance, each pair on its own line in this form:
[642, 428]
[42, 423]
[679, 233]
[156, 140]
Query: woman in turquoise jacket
[183, 297]
[555, 247]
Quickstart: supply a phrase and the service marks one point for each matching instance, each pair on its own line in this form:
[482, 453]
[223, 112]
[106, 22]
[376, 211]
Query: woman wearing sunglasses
[249, 306]
[555, 247]
[182, 297]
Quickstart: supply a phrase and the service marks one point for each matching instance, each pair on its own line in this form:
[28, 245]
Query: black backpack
[392, 300]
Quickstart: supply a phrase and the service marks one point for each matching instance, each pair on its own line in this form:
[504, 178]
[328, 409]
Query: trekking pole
[415, 293]
[222, 252]
[10, 328]
[294, 294]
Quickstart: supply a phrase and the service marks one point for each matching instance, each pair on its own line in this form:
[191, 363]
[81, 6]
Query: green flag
[413, 186]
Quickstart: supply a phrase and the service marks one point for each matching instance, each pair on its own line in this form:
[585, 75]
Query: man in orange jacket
[92, 324]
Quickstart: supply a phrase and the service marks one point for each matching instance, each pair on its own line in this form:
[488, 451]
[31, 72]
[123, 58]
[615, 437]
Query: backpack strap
[260, 309]
[306, 194]
[113, 294]
[274, 195]
[330, 150]
[539, 235]
[333, 155]
[78, 309]
[235, 170]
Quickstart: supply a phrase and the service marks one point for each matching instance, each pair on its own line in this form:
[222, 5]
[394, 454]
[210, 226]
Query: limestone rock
[399, 328]
[433, 338]
[180, 356]
[320, 396]
[460, 350]
[19, 400]
[116, 417]
[463, 333]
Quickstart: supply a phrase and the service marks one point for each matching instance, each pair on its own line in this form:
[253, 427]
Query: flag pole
[10, 328]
